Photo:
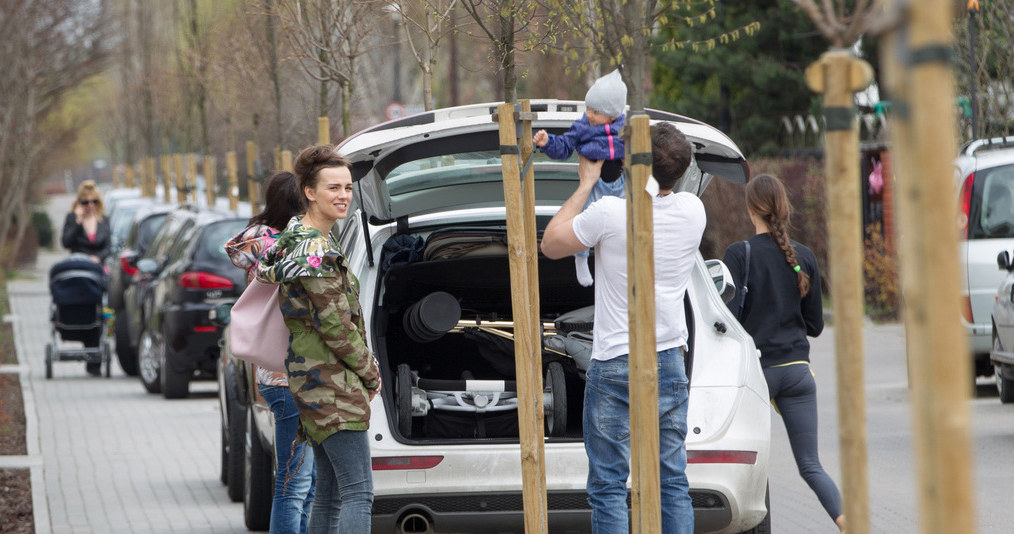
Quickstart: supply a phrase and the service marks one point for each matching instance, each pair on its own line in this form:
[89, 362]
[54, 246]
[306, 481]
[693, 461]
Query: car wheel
[148, 362]
[175, 384]
[124, 353]
[555, 400]
[765, 525]
[235, 448]
[223, 471]
[107, 358]
[257, 484]
[404, 400]
[49, 360]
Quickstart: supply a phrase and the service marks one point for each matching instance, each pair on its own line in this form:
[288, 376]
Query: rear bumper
[567, 512]
[191, 338]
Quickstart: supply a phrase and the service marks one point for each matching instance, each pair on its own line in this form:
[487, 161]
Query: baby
[596, 137]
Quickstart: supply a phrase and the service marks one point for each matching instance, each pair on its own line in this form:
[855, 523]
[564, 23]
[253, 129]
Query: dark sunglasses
[88, 201]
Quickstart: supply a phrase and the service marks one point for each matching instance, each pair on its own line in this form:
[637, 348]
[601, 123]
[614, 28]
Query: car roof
[437, 137]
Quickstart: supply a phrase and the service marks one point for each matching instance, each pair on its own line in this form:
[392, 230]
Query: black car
[196, 278]
[146, 222]
[138, 296]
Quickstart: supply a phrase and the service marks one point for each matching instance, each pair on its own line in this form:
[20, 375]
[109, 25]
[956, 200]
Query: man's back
[679, 221]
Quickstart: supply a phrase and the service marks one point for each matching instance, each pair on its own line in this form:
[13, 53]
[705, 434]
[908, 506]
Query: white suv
[984, 173]
[444, 432]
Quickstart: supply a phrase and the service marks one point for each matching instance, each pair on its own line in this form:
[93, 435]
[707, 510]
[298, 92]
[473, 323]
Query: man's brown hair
[671, 154]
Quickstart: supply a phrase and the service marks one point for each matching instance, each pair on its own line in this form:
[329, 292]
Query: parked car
[450, 460]
[145, 225]
[1002, 355]
[138, 296]
[121, 219]
[196, 277]
[984, 173]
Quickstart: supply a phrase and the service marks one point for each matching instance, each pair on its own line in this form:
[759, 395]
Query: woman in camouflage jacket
[332, 373]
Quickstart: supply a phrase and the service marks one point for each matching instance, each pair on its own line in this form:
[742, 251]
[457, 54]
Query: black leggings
[794, 394]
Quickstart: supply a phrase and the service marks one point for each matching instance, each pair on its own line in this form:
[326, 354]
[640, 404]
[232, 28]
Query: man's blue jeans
[607, 442]
[344, 485]
[294, 477]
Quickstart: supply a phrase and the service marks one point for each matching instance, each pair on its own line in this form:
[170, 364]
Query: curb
[36, 464]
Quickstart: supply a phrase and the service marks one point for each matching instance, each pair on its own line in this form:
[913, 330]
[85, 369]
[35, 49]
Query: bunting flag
[709, 44]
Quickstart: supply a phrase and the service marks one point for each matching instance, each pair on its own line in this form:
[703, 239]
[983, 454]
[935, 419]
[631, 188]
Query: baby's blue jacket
[593, 142]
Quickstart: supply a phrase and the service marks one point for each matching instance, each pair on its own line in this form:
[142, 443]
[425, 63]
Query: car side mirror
[722, 277]
[1003, 260]
[147, 265]
[221, 314]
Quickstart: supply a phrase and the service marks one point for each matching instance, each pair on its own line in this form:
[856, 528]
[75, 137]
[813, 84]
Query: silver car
[984, 174]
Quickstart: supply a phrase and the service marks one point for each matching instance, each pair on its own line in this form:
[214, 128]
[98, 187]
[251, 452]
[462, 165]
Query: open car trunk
[443, 332]
[428, 362]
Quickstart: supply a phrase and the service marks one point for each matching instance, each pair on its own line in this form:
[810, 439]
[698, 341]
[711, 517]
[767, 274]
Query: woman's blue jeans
[607, 442]
[344, 485]
[294, 477]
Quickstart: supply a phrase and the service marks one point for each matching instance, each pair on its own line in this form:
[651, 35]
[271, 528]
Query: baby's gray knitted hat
[608, 95]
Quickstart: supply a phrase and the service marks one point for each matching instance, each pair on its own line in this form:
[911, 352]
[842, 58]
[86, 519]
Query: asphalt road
[891, 455]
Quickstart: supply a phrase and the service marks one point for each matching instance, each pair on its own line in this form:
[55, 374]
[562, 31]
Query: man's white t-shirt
[679, 221]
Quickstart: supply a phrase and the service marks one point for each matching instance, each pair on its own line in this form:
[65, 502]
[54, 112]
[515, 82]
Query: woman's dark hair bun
[314, 158]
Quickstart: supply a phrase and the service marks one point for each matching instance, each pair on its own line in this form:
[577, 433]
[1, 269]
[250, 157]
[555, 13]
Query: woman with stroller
[782, 307]
[332, 373]
[294, 474]
[86, 230]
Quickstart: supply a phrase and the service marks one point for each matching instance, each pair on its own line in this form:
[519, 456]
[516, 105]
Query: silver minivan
[984, 174]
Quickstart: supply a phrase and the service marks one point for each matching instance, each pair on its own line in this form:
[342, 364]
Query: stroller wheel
[49, 360]
[555, 399]
[404, 400]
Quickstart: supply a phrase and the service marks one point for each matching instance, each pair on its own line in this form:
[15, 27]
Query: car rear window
[211, 244]
[995, 216]
[148, 228]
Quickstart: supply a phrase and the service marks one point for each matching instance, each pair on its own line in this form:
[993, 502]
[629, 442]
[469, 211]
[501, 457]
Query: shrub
[43, 227]
[728, 221]
[880, 276]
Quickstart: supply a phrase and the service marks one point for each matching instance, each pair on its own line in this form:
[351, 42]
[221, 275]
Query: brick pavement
[115, 459]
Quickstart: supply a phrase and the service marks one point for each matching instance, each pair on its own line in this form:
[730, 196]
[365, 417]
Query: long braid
[781, 237]
[766, 198]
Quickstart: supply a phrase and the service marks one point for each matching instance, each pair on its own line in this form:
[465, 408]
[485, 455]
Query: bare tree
[426, 23]
[329, 37]
[47, 48]
[511, 26]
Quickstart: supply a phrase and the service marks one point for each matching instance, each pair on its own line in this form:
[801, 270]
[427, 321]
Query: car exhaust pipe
[415, 522]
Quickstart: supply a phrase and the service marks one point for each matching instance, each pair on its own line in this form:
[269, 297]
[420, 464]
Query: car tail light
[393, 463]
[200, 329]
[966, 204]
[126, 267]
[199, 280]
[721, 457]
[966, 309]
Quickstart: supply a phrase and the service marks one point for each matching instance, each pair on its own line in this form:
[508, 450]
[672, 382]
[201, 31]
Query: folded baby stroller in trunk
[78, 287]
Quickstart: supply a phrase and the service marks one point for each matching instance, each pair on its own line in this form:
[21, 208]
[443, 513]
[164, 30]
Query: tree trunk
[276, 82]
[144, 34]
[346, 108]
[505, 55]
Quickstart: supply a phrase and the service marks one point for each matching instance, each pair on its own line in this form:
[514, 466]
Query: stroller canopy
[78, 279]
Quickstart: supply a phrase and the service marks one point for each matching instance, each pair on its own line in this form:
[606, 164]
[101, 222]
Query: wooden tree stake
[323, 131]
[527, 354]
[209, 179]
[924, 142]
[128, 176]
[181, 195]
[837, 75]
[644, 446]
[287, 160]
[230, 165]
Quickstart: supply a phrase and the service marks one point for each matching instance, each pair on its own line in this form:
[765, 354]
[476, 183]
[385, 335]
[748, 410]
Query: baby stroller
[78, 287]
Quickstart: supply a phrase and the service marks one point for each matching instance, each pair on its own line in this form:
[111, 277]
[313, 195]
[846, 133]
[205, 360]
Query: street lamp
[973, 8]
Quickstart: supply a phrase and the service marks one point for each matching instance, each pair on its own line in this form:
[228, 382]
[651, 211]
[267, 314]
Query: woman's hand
[79, 213]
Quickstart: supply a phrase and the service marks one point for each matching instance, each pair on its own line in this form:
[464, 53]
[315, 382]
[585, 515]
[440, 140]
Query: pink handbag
[257, 332]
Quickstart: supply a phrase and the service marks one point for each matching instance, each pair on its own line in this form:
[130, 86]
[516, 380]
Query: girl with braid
[783, 307]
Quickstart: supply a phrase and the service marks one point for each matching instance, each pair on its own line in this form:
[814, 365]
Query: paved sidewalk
[115, 459]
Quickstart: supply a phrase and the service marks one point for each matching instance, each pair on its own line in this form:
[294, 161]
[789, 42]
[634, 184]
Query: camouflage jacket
[330, 367]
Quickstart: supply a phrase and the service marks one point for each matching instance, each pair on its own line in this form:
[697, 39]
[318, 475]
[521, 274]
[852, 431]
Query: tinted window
[211, 242]
[146, 231]
[995, 214]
